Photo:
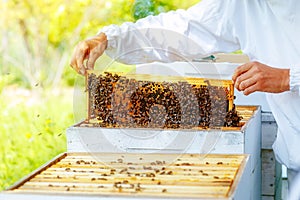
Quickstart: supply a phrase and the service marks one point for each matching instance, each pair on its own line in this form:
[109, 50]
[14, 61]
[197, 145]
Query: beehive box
[118, 132]
[161, 142]
[135, 176]
[226, 140]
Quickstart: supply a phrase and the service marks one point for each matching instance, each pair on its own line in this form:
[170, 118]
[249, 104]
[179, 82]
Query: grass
[32, 130]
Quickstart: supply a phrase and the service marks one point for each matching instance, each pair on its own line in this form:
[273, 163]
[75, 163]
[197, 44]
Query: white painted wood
[265, 197]
[269, 130]
[271, 169]
[13, 196]
[269, 173]
[82, 139]
[244, 141]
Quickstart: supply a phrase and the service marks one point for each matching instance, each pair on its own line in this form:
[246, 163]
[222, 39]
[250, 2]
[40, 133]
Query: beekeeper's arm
[177, 35]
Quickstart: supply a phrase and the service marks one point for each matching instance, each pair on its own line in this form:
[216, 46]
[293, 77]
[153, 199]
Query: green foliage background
[39, 35]
[37, 38]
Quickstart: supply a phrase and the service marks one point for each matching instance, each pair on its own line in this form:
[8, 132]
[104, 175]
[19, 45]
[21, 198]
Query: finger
[77, 60]
[91, 62]
[251, 89]
[82, 55]
[81, 67]
[240, 70]
[94, 55]
[245, 80]
[247, 83]
[92, 59]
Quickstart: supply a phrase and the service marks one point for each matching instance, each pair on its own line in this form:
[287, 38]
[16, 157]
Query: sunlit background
[37, 38]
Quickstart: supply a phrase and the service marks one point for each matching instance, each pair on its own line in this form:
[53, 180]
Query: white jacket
[267, 31]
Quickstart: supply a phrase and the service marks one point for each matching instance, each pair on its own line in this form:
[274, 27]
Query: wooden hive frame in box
[116, 100]
[133, 175]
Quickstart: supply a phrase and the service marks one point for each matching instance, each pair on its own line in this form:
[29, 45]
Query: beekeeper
[267, 31]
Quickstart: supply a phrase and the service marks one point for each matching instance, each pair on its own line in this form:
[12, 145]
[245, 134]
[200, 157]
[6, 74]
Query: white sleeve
[295, 79]
[176, 35]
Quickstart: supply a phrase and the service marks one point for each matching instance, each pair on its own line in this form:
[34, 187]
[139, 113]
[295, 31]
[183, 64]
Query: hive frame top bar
[168, 78]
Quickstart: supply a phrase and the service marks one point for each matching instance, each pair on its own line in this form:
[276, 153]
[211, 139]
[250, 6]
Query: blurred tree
[143, 8]
[38, 36]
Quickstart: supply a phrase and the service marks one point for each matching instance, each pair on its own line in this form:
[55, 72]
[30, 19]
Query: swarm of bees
[120, 101]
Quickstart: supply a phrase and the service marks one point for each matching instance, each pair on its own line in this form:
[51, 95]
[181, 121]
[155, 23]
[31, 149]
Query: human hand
[89, 50]
[255, 76]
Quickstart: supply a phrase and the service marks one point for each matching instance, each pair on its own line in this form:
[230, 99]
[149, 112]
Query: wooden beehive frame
[139, 175]
[197, 82]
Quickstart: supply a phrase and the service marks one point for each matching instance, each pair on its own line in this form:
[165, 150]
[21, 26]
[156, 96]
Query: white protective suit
[268, 31]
